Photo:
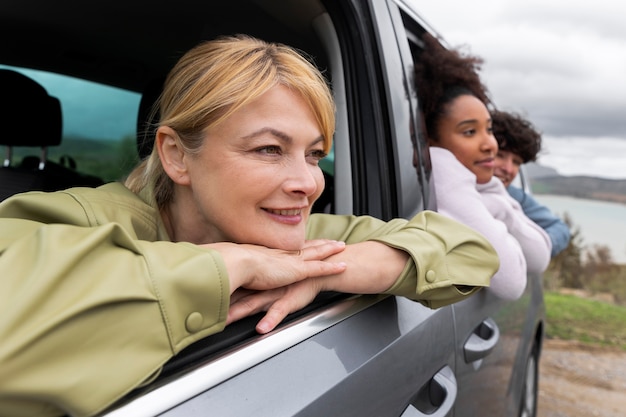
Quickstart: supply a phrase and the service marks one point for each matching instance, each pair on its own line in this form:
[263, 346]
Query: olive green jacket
[95, 298]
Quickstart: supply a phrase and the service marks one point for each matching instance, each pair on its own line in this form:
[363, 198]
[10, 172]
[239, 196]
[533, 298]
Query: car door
[497, 351]
[370, 364]
[495, 339]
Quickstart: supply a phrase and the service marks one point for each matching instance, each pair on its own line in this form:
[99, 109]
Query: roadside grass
[110, 160]
[570, 317]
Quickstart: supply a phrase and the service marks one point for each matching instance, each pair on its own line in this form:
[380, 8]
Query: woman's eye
[270, 150]
[317, 155]
[469, 132]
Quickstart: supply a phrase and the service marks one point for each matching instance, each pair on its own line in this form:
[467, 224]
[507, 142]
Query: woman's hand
[259, 276]
[278, 303]
[372, 268]
[259, 268]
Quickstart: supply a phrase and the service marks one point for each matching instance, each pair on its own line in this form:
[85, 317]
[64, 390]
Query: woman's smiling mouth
[286, 216]
[284, 212]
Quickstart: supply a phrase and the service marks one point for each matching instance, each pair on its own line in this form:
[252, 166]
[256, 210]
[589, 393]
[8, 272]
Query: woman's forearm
[372, 268]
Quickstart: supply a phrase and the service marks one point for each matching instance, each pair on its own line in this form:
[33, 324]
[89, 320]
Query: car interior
[134, 55]
[23, 99]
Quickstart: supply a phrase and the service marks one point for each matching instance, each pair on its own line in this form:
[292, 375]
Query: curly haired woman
[454, 105]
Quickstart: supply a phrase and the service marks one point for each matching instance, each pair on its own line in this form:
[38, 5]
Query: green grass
[593, 322]
[109, 160]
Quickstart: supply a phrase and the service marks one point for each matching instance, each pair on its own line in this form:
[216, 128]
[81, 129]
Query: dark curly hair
[516, 134]
[442, 75]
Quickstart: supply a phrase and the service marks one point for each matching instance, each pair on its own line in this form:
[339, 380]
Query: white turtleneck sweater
[523, 246]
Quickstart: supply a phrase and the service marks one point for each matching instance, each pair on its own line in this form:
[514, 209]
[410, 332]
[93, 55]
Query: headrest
[28, 115]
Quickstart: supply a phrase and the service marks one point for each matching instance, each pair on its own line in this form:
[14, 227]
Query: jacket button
[193, 323]
[431, 276]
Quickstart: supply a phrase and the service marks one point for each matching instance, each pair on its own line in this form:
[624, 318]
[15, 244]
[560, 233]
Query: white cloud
[603, 156]
[604, 17]
[561, 63]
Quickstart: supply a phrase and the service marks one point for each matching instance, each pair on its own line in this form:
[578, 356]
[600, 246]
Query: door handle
[435, 398]
[482, 341]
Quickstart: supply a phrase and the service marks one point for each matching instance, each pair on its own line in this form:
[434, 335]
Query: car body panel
[356, 367]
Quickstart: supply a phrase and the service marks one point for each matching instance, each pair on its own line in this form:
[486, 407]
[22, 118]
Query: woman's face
[257, 175]
[465, 130]
[507, 166]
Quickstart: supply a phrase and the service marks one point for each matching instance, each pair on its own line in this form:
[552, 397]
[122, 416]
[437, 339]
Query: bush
[588, 268]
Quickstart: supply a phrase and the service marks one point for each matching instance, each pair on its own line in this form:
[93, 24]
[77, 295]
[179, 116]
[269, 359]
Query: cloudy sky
[560, 63]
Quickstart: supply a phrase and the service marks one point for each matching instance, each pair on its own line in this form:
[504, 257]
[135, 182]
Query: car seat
[32, 118]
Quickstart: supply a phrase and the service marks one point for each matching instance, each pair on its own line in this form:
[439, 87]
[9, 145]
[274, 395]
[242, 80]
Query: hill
[545, 180]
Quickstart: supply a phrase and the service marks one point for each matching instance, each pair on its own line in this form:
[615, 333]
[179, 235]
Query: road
[581, 381]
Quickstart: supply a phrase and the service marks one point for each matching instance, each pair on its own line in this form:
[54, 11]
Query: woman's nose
[490, 143]
[302, 178]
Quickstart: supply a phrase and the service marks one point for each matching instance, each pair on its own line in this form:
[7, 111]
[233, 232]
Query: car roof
[129, 43]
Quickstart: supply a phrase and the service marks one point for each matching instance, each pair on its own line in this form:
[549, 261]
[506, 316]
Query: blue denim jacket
[555, 227]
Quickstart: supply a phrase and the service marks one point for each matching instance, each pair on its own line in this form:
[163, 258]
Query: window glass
[328, 163]
[99, 125]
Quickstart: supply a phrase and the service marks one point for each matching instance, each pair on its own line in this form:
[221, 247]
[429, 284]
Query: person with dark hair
[519, 142]
[454, 104]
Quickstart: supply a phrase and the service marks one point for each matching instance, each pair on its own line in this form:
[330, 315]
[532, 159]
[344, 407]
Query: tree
[600, 272]
[565, 269]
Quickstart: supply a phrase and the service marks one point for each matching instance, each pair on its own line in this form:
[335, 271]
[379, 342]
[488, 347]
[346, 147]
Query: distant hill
[534, 170]
[546, 180]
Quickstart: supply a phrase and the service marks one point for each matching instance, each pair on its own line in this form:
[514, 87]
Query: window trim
[177, 389]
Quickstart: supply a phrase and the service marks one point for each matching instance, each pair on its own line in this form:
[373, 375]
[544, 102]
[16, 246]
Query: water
[599, 222]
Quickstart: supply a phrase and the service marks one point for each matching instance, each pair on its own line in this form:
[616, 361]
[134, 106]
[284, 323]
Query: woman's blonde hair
[215, 79]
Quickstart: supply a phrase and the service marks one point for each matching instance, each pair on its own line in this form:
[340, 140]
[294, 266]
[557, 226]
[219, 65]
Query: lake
[600, 222]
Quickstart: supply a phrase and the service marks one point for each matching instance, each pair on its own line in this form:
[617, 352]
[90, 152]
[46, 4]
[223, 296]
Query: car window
[99, 125]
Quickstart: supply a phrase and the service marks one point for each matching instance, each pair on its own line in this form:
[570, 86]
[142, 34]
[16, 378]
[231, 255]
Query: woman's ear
[172, 155]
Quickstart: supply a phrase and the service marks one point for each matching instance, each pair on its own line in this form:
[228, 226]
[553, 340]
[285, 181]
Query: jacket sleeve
[81, 306]
[458, 198]
[535, 242]
[557, 229]
[448, 261]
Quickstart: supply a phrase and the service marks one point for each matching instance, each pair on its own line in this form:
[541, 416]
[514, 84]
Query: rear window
[99, 125]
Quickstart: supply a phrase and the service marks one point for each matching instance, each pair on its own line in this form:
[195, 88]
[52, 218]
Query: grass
[570, 317]
[109, 160]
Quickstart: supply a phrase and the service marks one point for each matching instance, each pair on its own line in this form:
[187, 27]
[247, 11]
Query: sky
[560, 63]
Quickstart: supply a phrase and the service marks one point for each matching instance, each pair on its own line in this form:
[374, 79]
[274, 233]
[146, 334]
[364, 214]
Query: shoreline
[610, 198]
[599, 222]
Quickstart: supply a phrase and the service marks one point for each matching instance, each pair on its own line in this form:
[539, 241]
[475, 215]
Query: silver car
[345, 355]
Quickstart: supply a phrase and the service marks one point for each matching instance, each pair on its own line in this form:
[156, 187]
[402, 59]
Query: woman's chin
[483, 179]
[292, 246]
[287, 244]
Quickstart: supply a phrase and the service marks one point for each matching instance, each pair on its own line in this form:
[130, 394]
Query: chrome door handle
[436, 398]
[482, 341]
